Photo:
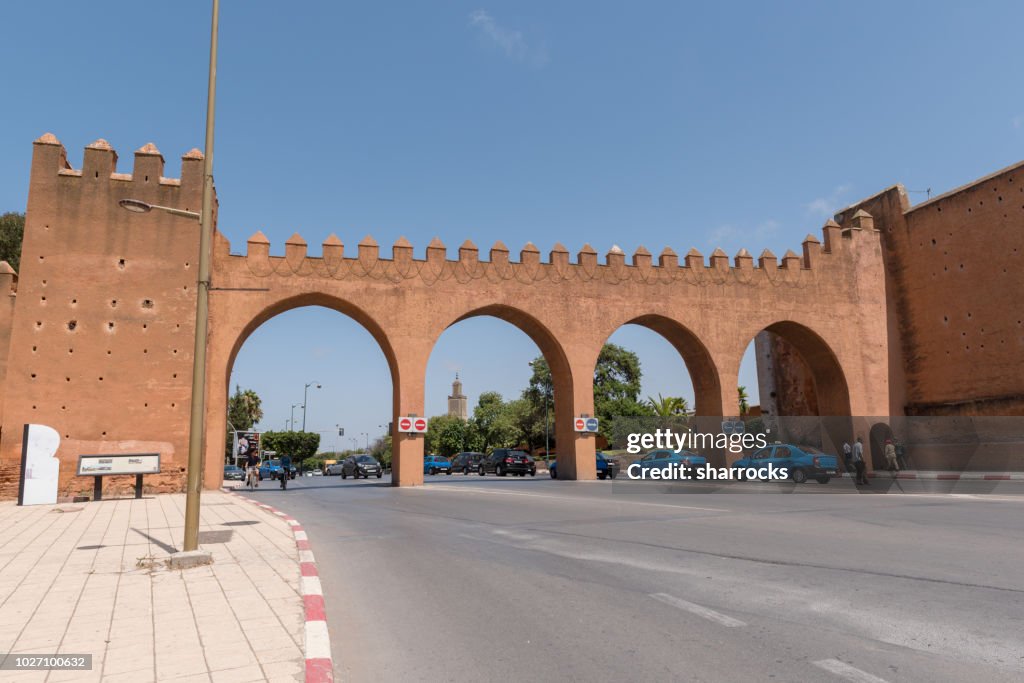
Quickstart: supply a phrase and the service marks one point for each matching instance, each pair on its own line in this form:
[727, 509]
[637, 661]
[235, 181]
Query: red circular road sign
[581, 424]
[404, 424]
[421, 425]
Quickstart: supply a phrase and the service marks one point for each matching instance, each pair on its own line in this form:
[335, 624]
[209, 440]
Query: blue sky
[653, 123]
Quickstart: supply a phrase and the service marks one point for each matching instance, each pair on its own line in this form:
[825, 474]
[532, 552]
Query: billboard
[246, 443]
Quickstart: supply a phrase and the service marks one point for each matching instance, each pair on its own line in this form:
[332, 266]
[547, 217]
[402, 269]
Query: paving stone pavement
[90, 578]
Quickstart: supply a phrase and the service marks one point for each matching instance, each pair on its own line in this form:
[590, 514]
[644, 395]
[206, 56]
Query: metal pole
[547, 435]
[198, 413]
[305, 400]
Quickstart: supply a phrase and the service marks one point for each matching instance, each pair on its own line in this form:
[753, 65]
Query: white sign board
[412, 425]
[585, 424]
[39, 467]
[125, 463]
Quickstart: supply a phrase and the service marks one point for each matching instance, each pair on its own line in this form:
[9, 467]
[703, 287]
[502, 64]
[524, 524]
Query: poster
[246, 443]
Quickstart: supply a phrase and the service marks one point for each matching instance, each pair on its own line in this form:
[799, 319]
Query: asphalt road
[511, 579]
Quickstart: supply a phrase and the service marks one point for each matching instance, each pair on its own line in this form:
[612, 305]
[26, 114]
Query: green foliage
[667, 406]
[12, 231]
[493, 423]
[381, 449]
[743, 398]
[312, 464]
[298, 445]
[244, 409]
[446, 435]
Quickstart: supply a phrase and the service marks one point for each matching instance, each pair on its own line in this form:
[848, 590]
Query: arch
[831, 389]
[217, 398]
[707, 386]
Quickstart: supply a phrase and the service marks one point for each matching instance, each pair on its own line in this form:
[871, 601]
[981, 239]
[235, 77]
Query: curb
[319, 665]
[942, 476]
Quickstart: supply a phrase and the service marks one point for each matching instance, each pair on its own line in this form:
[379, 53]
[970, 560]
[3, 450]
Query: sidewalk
[90, 579]
[942, 475]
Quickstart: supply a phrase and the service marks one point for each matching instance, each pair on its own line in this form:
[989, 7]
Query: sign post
[99, 466]
[585, 424]
[412, 425]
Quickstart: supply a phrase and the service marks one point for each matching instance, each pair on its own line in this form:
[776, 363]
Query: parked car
[607, 468]
[436, 464]
[467, 462]
[334, 469]
[802, 462]
[361, 466]
[503, 461]
[233, 473]
[663, 458]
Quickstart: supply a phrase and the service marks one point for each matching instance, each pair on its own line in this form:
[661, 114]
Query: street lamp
[305, 400]
[367, 440]
[547, 436]
[197, 414]
[294, 406]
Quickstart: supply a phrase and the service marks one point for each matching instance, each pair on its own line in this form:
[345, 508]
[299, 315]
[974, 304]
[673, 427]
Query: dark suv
[466, 462]
[361, 466]
[504, 461]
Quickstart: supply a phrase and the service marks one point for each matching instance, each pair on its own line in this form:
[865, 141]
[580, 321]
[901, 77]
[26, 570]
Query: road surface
[512, 579]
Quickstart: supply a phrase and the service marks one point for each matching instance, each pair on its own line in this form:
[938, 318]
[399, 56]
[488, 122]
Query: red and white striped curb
[319, 666]
[945, 476]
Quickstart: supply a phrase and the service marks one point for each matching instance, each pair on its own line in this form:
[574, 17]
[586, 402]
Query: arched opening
[510, 389]
[314, 371]
[795, 385]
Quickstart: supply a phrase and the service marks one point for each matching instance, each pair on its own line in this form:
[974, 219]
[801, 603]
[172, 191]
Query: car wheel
[465, 471]
[601, 475]
[448, 473]
[611, 475]
[498, 471]
[343, 475]
[824, 479]
[553, 473]
[481, 470]
[533, 472]
[380, 474]
[798, 476]
[433, 471]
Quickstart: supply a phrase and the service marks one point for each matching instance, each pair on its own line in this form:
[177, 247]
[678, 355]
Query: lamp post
[305, 400]
[197, 414]
[367, 435]
[294, 406]
[547, 436]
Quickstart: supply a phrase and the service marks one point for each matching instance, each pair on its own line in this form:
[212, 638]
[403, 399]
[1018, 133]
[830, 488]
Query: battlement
[99, 162]
[368, 262]
[8, 278]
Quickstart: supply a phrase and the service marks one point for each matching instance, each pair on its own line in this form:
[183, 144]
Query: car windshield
[365, 458]
[231, 468]
[274, 463]
[518, 454]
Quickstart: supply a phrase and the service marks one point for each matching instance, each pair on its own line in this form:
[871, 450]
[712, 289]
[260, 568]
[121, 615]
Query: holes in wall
[74, 302]
[72, 324]
[39, 323]
[968, 315]
[113, 303]
[173, 405]
[146, 179]
[174, 376]
[33, 375]
[101, 379]
[145, 326]
[71, 350]
[97, 174]
[939, 209]
[43, 300]
[147, 303]
[175, 351]
[42, 258]
[120, 263]
[104, 433]
[145, 350]
[110, 326]
[34, 349]
[934, 242]
[186, 264]
[108, 352]
[945, 318]
[67, 379]
[145, 405]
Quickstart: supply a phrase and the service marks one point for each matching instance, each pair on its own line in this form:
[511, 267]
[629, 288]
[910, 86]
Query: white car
[334, 470]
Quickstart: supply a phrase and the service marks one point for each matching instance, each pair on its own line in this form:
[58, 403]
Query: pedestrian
[847, 456]
[890, 456]
[901, 454]
[858, 462]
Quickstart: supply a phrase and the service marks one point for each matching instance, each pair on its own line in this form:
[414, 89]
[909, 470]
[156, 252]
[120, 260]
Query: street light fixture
[305, 400]
[197, 414]
[367, 440]
[294, 406]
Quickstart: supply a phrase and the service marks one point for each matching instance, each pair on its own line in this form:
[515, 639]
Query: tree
[742, 395]
[297, 445]
[446, 435]
[244, 409]
[668, 406]
[493, 423]
[12, 231]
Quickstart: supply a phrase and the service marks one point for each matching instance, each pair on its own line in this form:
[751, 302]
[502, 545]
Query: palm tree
[668, 406]
[744, 406]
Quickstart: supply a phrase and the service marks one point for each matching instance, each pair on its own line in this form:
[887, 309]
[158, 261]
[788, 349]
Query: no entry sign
[412, 425]
[585, 424]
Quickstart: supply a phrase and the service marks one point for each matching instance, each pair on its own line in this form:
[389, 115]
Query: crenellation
[149, 164]
[812, 251]
[720, 260]
[790, 261]
[768, 262]
[8, 278]
[615, 258]
[437, 252]
[295, 249]
[831, 232]
[468, 253]
[668, 259]
[369, 253]
[694, 259]
[99, 160]
[258, 246]
[641, 257]
[559, 258]
[743, 260]
[586, 258]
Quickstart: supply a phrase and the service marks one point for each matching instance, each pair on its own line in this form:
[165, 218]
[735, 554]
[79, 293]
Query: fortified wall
[96, 332]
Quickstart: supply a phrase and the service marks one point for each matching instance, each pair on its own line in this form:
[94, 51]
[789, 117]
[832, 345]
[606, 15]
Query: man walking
[890, 456]
[858, 462]
[847, 456]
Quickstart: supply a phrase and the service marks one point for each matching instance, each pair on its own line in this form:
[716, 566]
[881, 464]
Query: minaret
[457, 405]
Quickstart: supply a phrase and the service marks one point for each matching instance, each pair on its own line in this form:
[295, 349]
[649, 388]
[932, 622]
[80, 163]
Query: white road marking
[300, 536]
[310, 585]
[699, 610]
[492, 492]
[850, 673]
[306, 556]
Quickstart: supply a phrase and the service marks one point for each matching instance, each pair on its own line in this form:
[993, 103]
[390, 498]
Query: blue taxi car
[436, 464]
[801, 462]
[607, 468]
[663, 458]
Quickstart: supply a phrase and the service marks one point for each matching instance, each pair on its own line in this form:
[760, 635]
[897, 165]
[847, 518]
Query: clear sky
[656, 123]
